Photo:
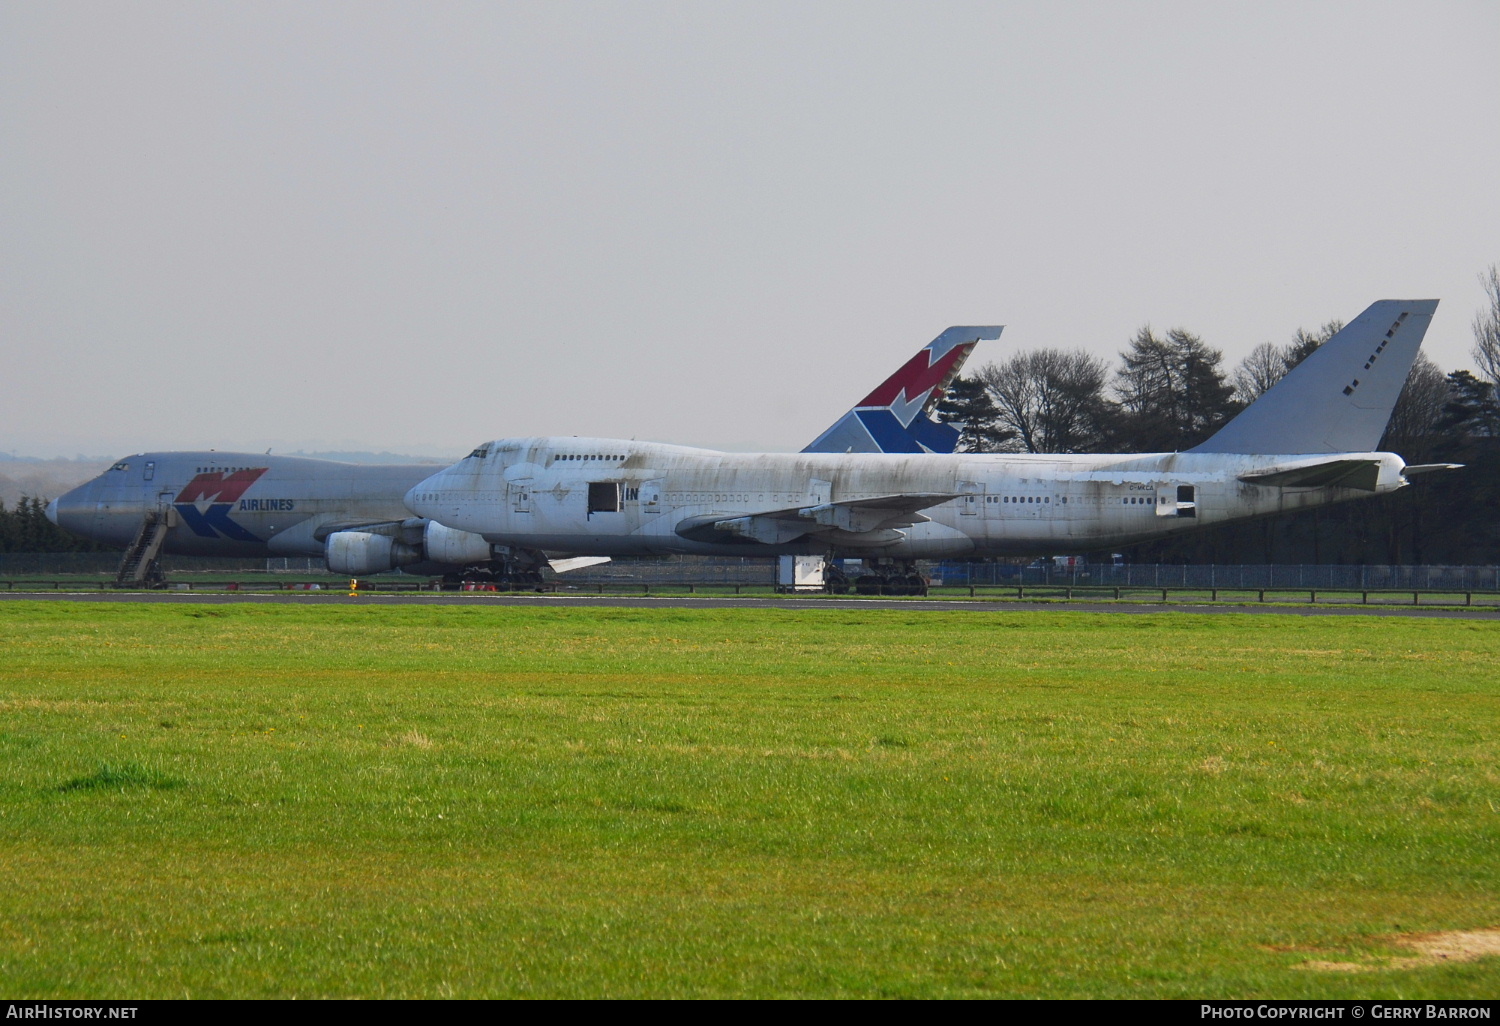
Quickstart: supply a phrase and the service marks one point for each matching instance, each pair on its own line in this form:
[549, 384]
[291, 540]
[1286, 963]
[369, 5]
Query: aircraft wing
[412, 532]
[412, 526]
[873, 521]
[1343, 473]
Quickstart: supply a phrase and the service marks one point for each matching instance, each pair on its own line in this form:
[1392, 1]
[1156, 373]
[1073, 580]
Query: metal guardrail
[1061, 593]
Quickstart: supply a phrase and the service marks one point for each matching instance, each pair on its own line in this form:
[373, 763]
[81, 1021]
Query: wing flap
[876, 520]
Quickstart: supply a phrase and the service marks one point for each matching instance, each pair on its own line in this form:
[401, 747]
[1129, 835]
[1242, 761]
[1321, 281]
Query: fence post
[1262, 594]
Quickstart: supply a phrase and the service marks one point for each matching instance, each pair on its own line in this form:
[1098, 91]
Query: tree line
[26, 528]
[1170, 391]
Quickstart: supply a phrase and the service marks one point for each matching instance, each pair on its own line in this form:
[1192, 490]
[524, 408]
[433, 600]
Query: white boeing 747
[1306, 442]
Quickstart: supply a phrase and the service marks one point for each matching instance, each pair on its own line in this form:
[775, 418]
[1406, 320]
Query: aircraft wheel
[868, 584]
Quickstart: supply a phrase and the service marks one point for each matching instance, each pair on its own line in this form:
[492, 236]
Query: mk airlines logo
[205, 503]
[920, 381]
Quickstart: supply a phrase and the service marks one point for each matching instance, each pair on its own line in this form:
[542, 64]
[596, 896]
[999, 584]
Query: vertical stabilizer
[1340, 398]
[896, 417]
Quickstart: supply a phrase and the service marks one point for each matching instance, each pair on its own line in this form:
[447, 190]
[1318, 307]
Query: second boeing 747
[1308, 441]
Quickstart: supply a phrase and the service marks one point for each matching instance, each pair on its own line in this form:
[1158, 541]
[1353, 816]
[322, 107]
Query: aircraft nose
[418, 501]
[74, 511]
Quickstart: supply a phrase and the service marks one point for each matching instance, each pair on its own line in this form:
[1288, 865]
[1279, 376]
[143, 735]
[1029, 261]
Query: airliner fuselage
[612, 497]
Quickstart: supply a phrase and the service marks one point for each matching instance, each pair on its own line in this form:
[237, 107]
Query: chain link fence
[1209, 576]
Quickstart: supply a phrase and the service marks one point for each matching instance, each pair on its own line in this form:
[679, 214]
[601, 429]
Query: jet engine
[358, 553]
[460, 548]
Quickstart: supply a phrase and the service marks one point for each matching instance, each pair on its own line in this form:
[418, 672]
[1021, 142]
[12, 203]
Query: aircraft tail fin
[896, 417]
[1340, 398]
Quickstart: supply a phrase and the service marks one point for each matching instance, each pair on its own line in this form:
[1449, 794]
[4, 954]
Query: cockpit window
[120, 466]
[480, 452]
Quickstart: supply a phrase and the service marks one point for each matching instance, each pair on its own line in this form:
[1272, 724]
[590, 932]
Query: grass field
[267, 800]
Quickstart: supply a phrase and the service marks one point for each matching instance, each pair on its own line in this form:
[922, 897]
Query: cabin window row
[1023, 498]
[591, 456]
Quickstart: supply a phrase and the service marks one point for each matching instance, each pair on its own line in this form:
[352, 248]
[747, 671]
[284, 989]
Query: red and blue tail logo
[896, 416]
[205, 503]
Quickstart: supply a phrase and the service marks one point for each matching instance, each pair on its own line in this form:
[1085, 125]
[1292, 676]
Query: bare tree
[1268, 363]
[1486, 351]
[1305, 343]
[1257, 372]
[1051, 399]
[1416, 419]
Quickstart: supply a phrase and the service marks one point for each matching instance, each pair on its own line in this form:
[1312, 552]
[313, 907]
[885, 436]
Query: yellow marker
[353, 586]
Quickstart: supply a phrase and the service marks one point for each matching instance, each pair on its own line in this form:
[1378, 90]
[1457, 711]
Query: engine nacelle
[458, 548]
[359, 552]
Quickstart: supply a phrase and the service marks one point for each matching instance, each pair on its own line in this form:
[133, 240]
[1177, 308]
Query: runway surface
[691, 602]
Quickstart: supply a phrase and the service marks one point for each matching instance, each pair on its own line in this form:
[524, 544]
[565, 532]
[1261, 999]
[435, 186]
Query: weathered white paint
[788, 503]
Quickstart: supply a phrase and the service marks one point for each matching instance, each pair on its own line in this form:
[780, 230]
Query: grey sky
[419, 226]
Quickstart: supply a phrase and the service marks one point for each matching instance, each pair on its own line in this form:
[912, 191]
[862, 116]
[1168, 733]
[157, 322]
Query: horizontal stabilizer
[1340, 398]
[1427, 468]
[1361, 474]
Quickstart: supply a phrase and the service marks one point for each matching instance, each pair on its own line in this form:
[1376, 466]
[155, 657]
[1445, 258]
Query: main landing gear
[496, 575]
[890, 577]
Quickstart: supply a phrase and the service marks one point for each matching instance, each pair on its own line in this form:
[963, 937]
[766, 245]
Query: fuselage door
[520, 496]
[651, 497]
[1175, 500]
[973, 498]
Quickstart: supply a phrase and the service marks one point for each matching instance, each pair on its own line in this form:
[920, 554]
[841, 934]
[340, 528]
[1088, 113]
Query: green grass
[480, 801]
